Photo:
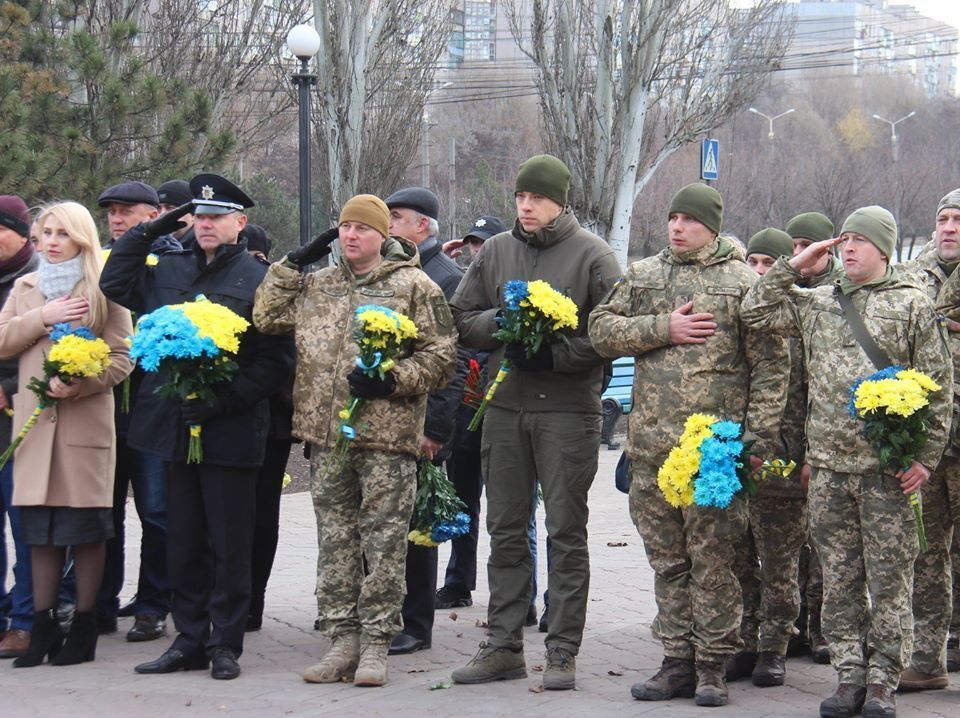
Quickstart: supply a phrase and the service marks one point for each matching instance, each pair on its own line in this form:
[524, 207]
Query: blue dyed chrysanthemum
[514, 292]
[168, 333]
[726, 430]
[64, 329]
[717, 480]
[446, 530]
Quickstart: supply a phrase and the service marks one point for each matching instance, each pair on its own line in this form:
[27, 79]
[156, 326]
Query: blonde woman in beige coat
[63, 470]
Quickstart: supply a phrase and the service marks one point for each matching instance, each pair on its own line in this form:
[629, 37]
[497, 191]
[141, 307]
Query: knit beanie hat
[257, 239]
[771, 242]
[701, 202]
[546, 175]
[950, 201]
[370, 210]
[810, 225]
[14, 214]
[876, 224]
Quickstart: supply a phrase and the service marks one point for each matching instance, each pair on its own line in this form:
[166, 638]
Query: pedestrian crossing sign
[710, 160]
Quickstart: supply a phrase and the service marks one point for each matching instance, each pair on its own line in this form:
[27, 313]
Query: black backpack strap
[860, 332]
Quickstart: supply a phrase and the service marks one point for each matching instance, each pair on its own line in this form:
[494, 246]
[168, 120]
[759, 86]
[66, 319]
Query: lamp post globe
[303, 41]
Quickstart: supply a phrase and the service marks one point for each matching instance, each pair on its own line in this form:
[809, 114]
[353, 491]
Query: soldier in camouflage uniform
[932, 574]
[768, 556]
[861, 519]
[678, 314]
[363, 502]
[805, 229]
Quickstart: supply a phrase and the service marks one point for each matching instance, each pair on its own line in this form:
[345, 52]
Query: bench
[617, 399]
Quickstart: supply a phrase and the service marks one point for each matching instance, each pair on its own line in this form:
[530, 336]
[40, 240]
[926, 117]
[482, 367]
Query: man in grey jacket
[543, 424]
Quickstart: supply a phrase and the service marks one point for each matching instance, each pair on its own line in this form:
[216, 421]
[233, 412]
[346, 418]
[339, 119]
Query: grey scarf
[58, 280]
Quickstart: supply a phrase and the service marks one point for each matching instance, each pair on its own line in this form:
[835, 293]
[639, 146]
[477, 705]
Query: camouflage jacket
[792, 431]
[925, 271]
[575, 262]
[319, 307]
[735, 374]
[902, 321]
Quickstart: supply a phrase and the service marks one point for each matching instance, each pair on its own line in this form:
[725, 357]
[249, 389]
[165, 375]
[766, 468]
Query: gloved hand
[195, 411]
[317, 249]
[541, 361]
[167, 223]
[366, 387]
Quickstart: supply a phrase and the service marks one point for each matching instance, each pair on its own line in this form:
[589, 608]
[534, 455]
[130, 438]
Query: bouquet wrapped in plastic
[76, 353]
[194, 344]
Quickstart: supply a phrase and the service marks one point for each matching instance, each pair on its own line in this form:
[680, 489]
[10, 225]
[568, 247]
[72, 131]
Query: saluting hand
[807, 260]
[687, 328]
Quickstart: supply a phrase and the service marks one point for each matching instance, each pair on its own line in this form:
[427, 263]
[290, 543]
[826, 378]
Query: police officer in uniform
[211, 504]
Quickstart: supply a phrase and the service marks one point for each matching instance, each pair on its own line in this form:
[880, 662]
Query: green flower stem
[502, 373]
[31, 422]
[916, 502]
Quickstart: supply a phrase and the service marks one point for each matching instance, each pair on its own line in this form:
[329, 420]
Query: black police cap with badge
[485, 227]
[213, 194]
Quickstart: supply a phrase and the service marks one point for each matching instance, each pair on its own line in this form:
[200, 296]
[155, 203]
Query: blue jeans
[16, 606]
[146, 474]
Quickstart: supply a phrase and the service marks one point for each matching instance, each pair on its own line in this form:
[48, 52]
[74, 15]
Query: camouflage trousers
[932, 574]
[363, 517]
[867, 540]
[767, 561]
[955, 562]
[810, 576]
[691, 552]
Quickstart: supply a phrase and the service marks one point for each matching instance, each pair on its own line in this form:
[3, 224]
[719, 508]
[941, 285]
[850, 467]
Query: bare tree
[378, 59]
[625, 83]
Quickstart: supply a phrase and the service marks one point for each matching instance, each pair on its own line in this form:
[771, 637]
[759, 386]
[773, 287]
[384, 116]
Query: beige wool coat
[68, 458]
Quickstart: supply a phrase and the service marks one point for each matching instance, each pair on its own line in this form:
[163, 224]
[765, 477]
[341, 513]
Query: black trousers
[463, 468]
[266, 529]
[210, 522]
[421, 575]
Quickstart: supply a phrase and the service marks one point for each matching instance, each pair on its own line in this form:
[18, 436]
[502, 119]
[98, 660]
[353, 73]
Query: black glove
[195, 411]
[541, 361]
[366, 387]
[316, 250]
[167, 223]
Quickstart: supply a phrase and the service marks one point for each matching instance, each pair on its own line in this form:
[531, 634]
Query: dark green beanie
[772, 242]
[701, 202]
[546, 175]
[810, 225]
[876, 224]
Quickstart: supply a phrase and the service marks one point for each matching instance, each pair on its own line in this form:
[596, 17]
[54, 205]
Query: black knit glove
[316, 250]
[365, 387]
[542, 360]
[167, 223]
[195, 411]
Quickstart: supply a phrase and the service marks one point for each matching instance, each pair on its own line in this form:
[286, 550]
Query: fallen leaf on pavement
[536, 689]
[439, 686]
[416, 670]
[482, 624]
[453, 616]
[616, 544]
[614, 673]
[538, 668]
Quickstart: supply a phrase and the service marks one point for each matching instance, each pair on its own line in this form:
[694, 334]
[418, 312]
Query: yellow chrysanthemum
[152, 260]
[901, 396]
[675, 477]
[552, 304]
[80, 357]
[925, 382]
[216, 321]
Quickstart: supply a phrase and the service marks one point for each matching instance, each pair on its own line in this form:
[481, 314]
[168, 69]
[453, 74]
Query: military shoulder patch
[441, 311]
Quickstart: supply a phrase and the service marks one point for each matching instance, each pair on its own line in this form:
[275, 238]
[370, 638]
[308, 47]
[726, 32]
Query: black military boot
[770, 670]
[676, 678]
[845, 702]
[819, 649]
[740, 665]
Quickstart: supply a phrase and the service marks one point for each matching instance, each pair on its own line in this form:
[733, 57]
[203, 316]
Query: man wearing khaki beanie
[860, 515]
[362, 500]
[543, 425]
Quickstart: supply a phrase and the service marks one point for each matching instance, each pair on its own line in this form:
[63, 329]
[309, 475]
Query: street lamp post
[769, 119]
[894, 148]
[304, 42]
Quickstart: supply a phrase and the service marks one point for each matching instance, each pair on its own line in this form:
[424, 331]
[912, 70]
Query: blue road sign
[710, 160]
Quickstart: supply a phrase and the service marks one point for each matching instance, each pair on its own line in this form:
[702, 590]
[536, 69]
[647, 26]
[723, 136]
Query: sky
[947, 11]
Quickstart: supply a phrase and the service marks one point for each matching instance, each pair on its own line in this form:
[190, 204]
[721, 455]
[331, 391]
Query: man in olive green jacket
[678, 314]
[543, 424]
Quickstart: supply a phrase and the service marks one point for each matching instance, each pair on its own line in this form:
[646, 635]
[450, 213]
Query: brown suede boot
[677, 678]
[711, 686]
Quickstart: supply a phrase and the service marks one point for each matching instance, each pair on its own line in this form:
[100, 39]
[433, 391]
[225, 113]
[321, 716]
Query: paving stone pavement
[618, 650]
